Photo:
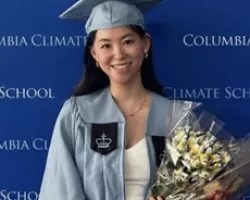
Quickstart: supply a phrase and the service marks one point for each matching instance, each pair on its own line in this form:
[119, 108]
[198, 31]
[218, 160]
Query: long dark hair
[95, 79]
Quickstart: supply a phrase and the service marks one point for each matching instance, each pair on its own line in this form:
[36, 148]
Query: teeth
[121, 66]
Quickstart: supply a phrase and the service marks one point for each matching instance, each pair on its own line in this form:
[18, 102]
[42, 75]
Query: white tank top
[136, 171]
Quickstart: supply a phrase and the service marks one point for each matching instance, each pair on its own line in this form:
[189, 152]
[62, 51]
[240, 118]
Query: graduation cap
[101, 14]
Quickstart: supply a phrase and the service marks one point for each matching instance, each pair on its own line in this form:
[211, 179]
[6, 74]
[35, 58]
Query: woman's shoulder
[165, 102]
[87, 100]
[74, 103]
[161, 101]
[161, 98]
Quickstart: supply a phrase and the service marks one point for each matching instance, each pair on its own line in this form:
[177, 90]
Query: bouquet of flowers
[199, 152]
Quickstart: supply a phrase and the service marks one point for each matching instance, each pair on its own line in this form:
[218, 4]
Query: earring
[146, 55]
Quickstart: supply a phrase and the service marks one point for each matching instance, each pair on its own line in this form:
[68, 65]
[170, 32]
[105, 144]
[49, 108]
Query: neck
[130, 98]
[128, 92]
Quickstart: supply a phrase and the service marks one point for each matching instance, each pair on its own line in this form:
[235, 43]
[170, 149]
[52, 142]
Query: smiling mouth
[121, 66]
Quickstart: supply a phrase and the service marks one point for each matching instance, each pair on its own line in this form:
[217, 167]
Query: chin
[121, 82]
[124, 79]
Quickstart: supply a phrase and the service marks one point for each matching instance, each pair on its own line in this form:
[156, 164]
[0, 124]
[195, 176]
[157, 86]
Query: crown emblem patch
[103, 142]
[104, 137]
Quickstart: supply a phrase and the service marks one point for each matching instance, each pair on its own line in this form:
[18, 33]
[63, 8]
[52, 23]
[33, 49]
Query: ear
[147, 42]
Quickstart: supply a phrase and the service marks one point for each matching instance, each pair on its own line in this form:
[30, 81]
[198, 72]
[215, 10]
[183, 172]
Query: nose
[118, 52]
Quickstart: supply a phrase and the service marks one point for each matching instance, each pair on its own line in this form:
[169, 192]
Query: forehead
[114, 33]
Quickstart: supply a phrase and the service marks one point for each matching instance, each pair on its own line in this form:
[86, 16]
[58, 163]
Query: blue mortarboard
[101, 14]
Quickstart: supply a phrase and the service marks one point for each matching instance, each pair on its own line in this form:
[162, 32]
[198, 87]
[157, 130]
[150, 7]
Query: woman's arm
[61, 180]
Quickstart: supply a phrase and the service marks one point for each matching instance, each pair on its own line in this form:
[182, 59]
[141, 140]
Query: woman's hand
[214, 191]
[157, 198]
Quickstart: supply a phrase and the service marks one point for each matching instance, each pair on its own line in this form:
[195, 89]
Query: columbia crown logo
[103, 142]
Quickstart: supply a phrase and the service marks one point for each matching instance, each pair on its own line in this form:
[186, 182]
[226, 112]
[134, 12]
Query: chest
[135, 128]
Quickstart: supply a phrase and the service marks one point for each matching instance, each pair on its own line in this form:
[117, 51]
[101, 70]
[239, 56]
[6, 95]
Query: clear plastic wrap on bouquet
[199, 154]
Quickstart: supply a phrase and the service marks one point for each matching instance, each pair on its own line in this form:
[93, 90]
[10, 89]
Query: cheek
[104, 58]
[136, 52]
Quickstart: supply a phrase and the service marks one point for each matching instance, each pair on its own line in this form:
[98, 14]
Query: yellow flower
[205, 174]
[181, 147]
[178, 171]
[180, 175]
[209, 151]
[180, 134]
[217, 146]
[193, 133]
[225, 157]
[194, 149]
[217, 167]
[195, 162]
[191, 140]
[204, 159]
[216, 158]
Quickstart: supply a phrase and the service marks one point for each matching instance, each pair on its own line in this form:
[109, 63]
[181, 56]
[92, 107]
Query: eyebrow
[108, 40]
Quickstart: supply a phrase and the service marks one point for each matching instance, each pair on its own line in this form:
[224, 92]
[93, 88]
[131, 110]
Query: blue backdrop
[201, 52]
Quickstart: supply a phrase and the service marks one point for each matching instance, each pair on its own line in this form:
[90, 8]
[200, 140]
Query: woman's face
[119, 52]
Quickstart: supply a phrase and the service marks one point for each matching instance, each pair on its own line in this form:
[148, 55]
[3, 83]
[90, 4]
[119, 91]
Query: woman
[108, 137]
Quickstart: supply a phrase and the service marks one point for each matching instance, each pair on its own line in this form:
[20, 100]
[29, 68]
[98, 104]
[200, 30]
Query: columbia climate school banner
[201, 53]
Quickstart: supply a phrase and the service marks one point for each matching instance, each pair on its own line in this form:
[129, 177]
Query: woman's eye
[127, 42]
[105, 46]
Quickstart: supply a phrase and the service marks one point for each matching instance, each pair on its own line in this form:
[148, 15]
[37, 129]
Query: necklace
[139, 109]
